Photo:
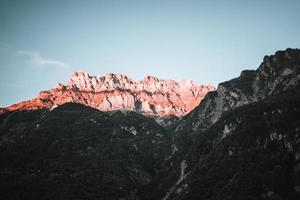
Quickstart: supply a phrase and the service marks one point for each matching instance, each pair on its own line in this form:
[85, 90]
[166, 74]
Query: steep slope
[278, 75]
[249, 160]
[77, 152]
[251, 152]
[150, 96]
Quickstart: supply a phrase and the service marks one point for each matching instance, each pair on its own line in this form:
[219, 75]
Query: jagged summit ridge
[84, 82]
[151, 96]
[276, 74]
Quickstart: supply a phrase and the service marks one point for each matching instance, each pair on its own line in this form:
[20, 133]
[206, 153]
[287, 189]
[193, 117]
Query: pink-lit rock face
[150, 96]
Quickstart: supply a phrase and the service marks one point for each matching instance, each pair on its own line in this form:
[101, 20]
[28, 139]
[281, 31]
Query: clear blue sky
[43, 42]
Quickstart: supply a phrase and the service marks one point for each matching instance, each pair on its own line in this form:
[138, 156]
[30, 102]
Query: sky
[42, 42]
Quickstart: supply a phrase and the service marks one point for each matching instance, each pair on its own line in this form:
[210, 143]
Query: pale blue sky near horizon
[42, 42]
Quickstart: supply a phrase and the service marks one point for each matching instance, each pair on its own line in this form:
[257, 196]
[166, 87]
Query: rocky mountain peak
[151, 96]
[281, 62]
[151, 79]
[276, 74]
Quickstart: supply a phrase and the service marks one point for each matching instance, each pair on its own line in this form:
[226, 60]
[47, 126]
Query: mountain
[150, 96]
[226, 146]
[251, 152]
[276, 74]
[241, 142]
[78, 152]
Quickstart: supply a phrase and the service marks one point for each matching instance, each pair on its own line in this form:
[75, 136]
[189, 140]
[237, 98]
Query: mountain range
[241, 141]
[150, 96]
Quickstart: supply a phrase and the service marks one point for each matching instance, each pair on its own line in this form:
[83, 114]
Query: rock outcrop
[276, 74]
[150, 96]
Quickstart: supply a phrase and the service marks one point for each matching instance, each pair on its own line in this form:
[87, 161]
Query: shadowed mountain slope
[241, 142]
